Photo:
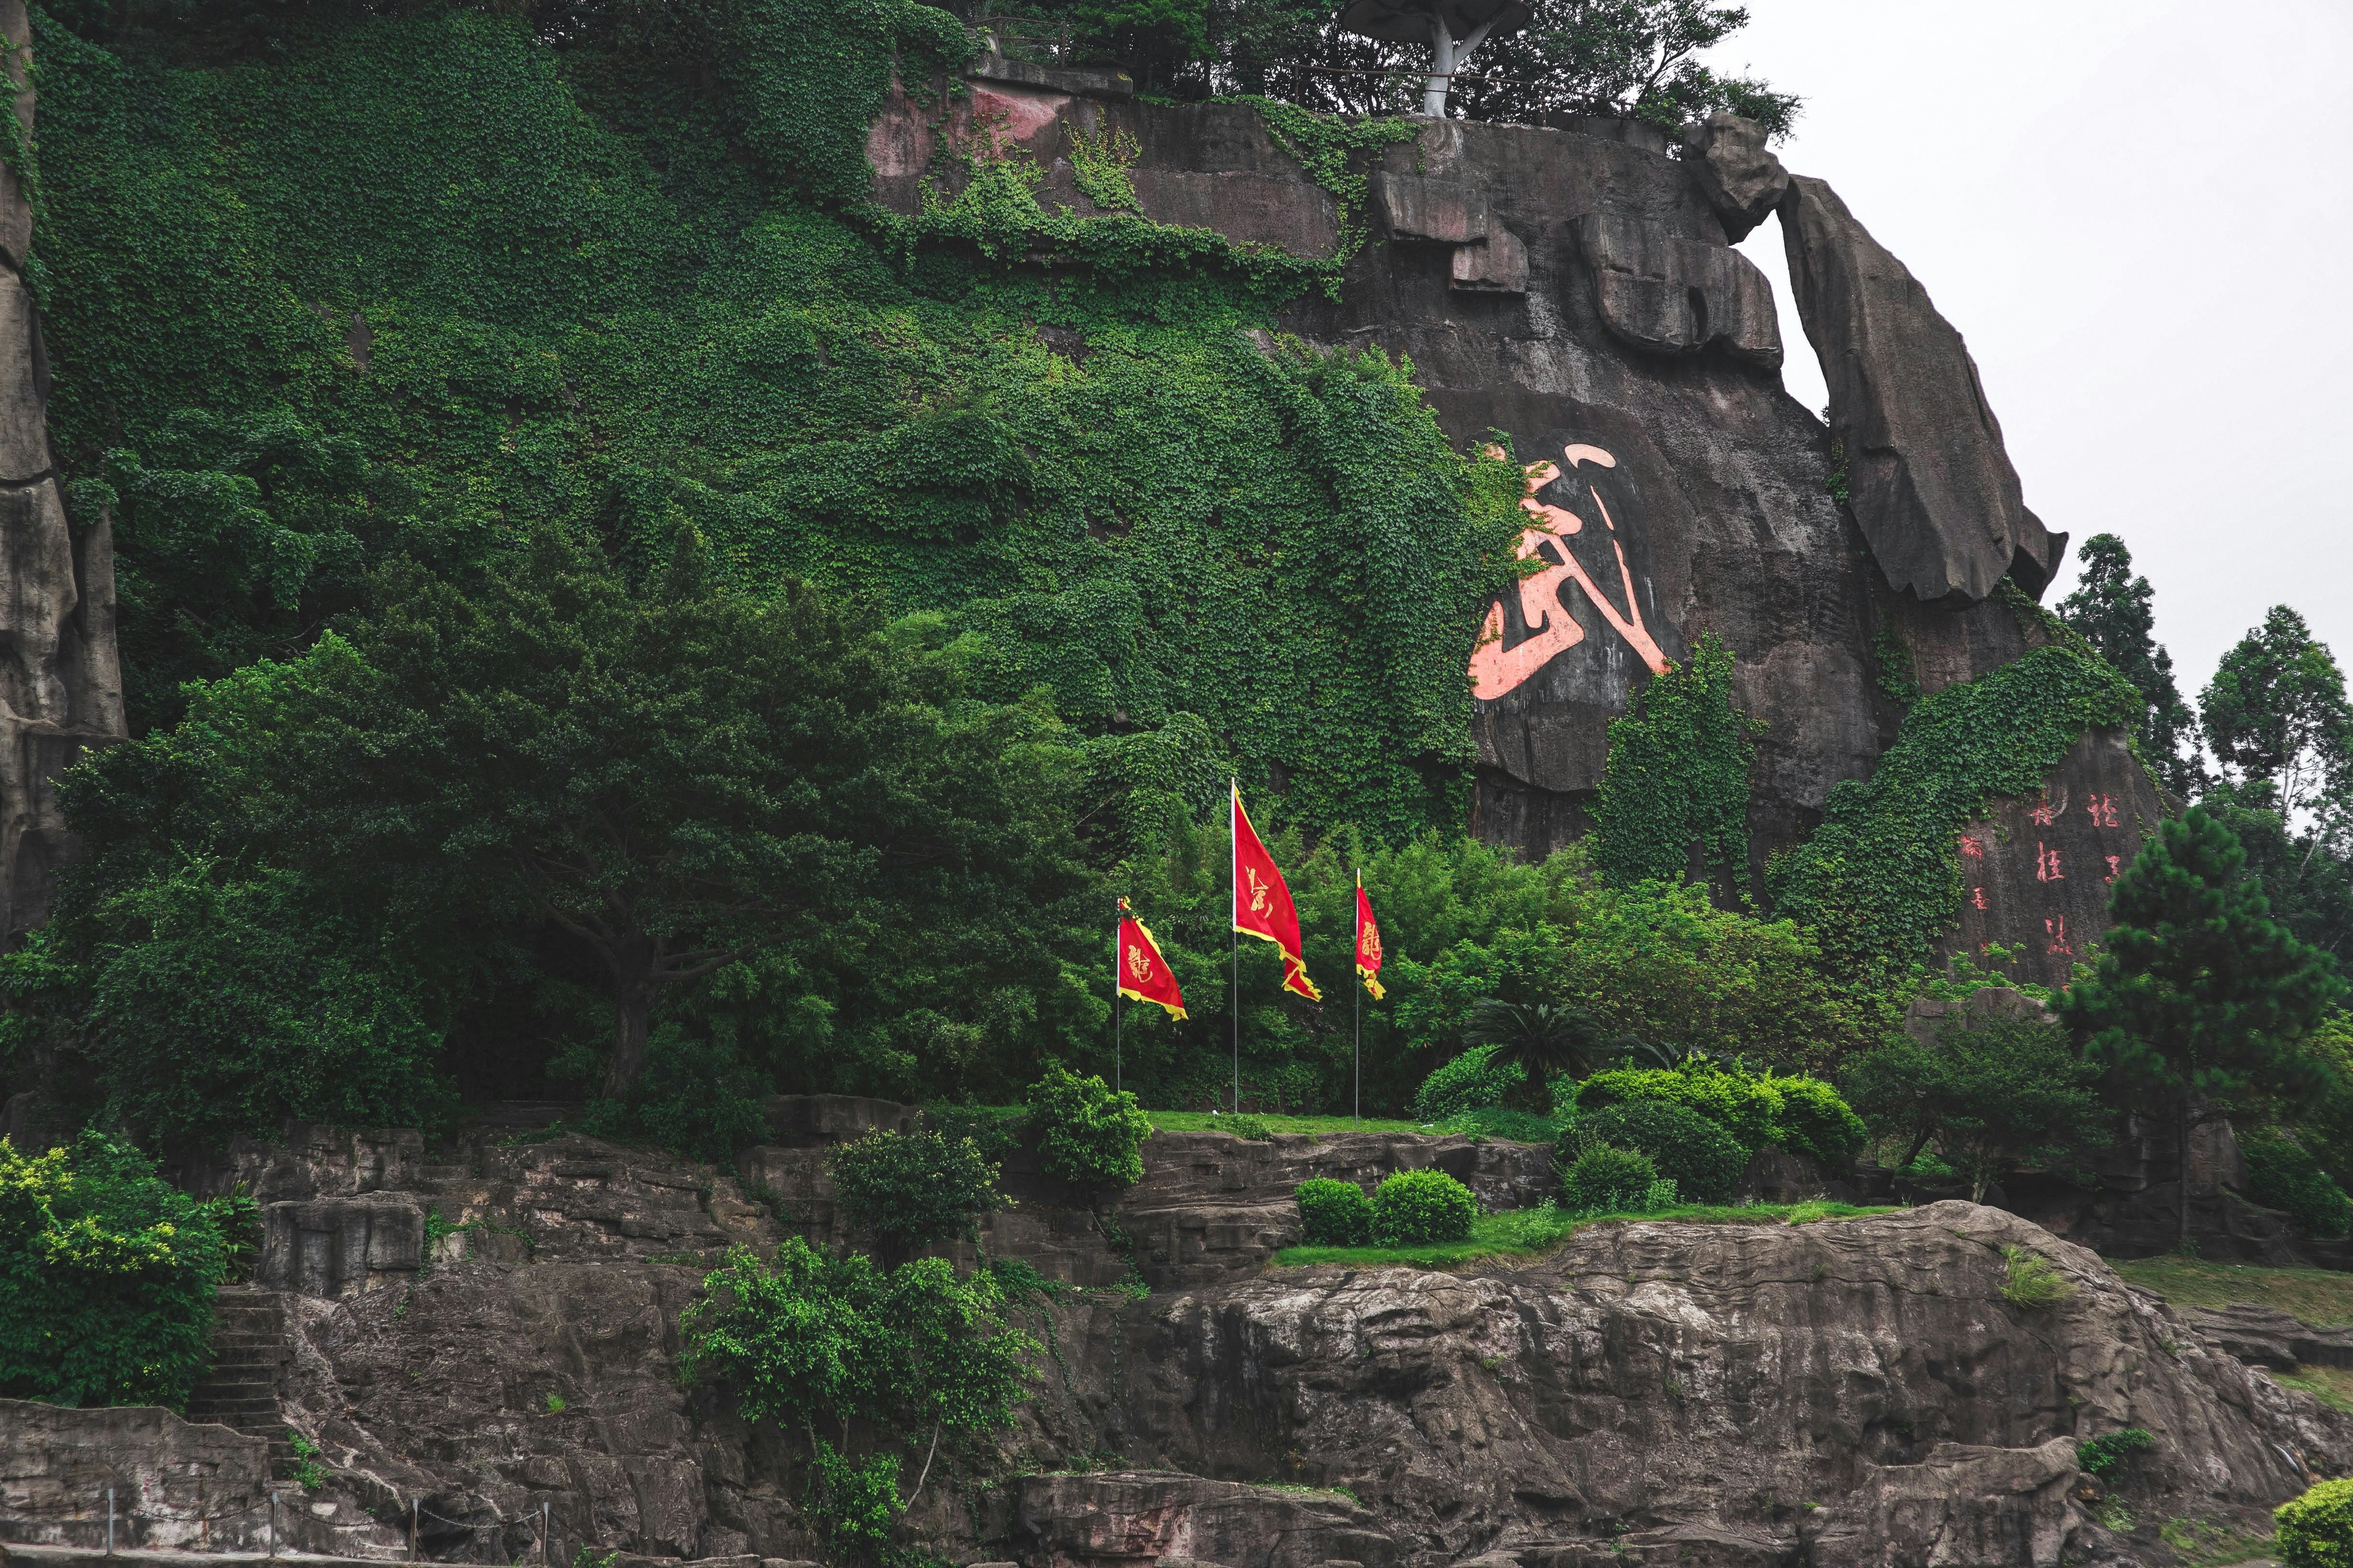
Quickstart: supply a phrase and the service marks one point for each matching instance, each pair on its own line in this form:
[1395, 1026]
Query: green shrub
[1086, 1133]
[1415, 1206]
[1605, 1179]
[1335, 1213]
[995, 1130]
[2281, 1175]
[2030, 1282]
[1468, 1082]
[1817, 1121]
[911, 1189]
[2315, 1530]
[697, 1097]
[107, 1275]
[1700, 1157]
[2100, 1454]
[1253, 1128]
[1503, 1122]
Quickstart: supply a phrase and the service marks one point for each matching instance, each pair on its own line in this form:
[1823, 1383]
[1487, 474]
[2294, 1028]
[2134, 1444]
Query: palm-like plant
[1542, 1038]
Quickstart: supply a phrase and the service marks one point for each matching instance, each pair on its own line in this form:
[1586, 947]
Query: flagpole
[1234, 879]
[1358, 991]
[1118, 915]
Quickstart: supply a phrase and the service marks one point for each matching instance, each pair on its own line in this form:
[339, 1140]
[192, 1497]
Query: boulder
[1665, 295]
[1740, 177]
[1932, 487]
[1496, 265]
[2267, 1337]
[1414, 207]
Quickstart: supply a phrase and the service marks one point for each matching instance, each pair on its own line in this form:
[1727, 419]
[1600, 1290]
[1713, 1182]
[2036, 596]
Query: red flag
[1143, 974]
[1263, 906]
[1368, 942]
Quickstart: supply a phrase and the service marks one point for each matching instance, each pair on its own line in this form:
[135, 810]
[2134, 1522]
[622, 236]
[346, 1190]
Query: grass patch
[2030, 1282]
[1203, 1122]
[1527, 1233]
[2331, 1386]
[2321, 1297]
[2210, 1543]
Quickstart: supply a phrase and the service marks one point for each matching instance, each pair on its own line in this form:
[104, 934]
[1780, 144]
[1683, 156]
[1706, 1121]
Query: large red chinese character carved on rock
[1496, 670]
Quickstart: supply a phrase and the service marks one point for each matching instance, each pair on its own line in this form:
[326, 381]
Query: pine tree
[2112, 608]
[2201, 996]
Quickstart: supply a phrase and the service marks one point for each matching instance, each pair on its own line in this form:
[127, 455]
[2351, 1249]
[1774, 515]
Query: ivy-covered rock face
[1390, 462]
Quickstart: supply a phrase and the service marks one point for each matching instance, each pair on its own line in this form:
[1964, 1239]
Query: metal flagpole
[1118, 1047]
[1358, 987]
[1234, 879]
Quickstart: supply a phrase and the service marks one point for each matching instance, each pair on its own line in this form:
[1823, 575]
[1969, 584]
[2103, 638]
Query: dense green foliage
[1087, 1133]
[910, 1354]
[1673, 800]
[1700, 1157]
[2201, 996]
[1334, 1214]
[1989, 1099]
[1606, 1180]
[699, 1095]
[2102, 1455]
[1759, 1110]
[2281, 1175]
[107, 1275]
[2112, 610]
[911, 1189]
[1541, 1039]
[1412, 1207]
[1880, 879]
[1472, 1081]
[2315, 1530]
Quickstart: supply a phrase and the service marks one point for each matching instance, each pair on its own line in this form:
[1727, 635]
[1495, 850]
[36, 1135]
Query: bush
[1086, 1133]
[1605, 1179]
[1415, 1206]
[911, 1189]
[107, 1275]
[995, 1130]
[1468, 1082]
[2102, 1454]
[2280, 1175]
[1816, 1121]
[1503, 1122]
[1253, 1128]
[2315, 1530]
[697, 1097]
[1335, 1213]
[1700, 1157]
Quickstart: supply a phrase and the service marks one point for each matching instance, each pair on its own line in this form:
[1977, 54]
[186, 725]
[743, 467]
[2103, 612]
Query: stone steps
[240, 1389]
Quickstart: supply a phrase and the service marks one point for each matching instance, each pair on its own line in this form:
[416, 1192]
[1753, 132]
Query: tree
[2201, 996]
[1625, 57]
[1991, 1098]
[2276, 713]
[911, 1189]
[2112, 608]
[1539, 1039]
[676, 781]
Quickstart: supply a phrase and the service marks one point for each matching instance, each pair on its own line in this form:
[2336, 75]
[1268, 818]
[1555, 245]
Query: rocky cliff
[1575, 293]
[60, 682]
[1859, 1391]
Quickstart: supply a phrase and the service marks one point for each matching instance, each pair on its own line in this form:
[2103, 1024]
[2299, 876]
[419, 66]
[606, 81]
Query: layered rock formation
[61, 681]
[1575, 291]
[1845, 1392]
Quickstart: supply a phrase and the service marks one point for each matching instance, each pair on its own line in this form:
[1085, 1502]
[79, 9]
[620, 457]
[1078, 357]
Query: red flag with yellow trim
[1263, 906]
[1368, 942]
[1143, 974]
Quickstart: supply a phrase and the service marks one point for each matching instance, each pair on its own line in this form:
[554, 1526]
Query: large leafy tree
[2112, 608]
[1991, 1098]
[2275, 713]
[2201, 997]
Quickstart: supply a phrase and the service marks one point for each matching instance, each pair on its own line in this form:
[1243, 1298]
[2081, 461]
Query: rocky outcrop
[1116, 1519]
[61, 678]
[1932, 487]
[2267, 1337]
[1736, 172]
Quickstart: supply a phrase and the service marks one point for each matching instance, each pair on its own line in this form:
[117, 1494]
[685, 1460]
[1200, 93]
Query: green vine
[1676, 780]
[1898, 682]
[1100, 165]
[1326, 146]
[1880, 879]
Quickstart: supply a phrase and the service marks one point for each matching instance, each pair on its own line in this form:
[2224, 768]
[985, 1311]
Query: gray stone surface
[1416, 206]
[1496, 265]
[1737, 172]
[1664, 295]
[2267, 1337]
[1932, 487]
[1115, 1520]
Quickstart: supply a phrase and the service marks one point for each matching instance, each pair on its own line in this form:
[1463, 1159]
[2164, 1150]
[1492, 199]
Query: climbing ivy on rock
[1879, 880]
[409, 285]
[1674, 789]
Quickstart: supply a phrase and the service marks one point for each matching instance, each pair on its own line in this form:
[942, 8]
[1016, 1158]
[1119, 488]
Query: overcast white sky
[2140, 215]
